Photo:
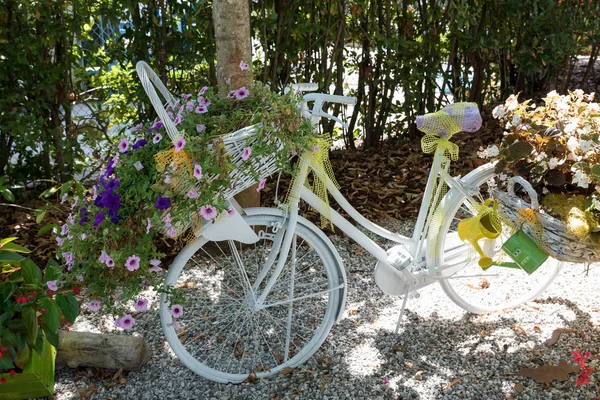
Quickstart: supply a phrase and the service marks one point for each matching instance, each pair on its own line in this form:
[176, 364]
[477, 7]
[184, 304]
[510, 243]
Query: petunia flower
[148, 226]
[180, 144]
[231, 94]
[136, 128]
[141, 304]
[231, 211]
[186, 96]
[172, 232]
[83, 236]
[208, 212]
[64, 230]
[167, 219]
[176, 311]
[99, 218]
[109, 262]
[126, 322]
[189, 106]
[155, 269]
[200, 128]
[156, 126]
[242, 93]
[139, 143]
[103, 257]
[132, 263]
[192, 194]
[155, 263]
[246, 153]
[203, 90]
[52, 285]
[123, 145]
[60, 241]
[162, 203]
[197, 171]
[201, 109]
[261, 184]
[244, 65]
[157, 138]
[94, 305]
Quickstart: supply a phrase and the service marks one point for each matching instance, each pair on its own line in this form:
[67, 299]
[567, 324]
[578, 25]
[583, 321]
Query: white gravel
[441, 351]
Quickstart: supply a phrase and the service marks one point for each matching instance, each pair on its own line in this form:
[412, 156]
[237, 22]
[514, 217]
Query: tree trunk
[232, 36]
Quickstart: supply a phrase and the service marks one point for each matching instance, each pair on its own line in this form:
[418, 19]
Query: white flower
[516, 120]
[581, 179]
[572, 144]
[493, 151]
[541, 156]
[553, 163]
[503, 177]
[571, 127]
[585, 145]
[545, 190]
[512, 103]
[596, 203]
[498, 112]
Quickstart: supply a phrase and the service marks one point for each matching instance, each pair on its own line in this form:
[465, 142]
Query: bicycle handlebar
[317, 110]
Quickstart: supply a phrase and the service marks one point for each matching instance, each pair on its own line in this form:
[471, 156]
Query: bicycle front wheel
[222, 334]
[456, 263]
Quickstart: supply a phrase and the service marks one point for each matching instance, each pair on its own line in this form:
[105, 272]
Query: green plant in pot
[33, 305]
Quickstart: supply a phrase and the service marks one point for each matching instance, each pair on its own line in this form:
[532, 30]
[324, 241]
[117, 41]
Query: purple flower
[60, 241]
[203, 90]
[126, 322]
[64, 230]
[203, 101]
[112, 201]
[157, 138]
[52, 285]
[112, 185]
[192, 194]
[231, 94]
[208, 212]
[162, 203]
[99, 218]
[84, 216]
[261, 184]
[172, 232]
[231, 211]
[136, 128]
[79, 278]
[197, 171]
[155, 263]
[148, 226]
[139, 143]
[103, 257]
[180, 144]
[156, 126]
[167, 219]
[244, 65]
[200, 128]
[189, 106]
[123, 145]
[178, 119]
[241, 93]
[132, 263]
[186, 96]
[155, 269]
[246, 153]
[69, 260]
[94, 305]
[201, 109]
[176, 311]
[109, 262]
[141, 304]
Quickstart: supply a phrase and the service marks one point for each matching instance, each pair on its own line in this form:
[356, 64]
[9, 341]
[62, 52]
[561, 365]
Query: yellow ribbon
[178, 158]
[430, 143]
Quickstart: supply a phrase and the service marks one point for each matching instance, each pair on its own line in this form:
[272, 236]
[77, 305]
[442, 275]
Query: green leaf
[52, 271]
[10, 338]
[10, 258]
[31, 324]
[68, 305]
[7, 240]
[31, 273]
[7, 194]
[7, 289]
[52, 316]
[40, 216]
[15, 248]
[596, 171]
[6, 363]
[519, 150]
[45, 229]
[555, 178]
[23, 357]
[51, 336]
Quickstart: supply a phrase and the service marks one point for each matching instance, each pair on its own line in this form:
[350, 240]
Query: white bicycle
[263, 288]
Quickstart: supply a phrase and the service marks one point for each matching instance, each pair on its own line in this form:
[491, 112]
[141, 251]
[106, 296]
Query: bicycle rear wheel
[222, 335]
[456, 263]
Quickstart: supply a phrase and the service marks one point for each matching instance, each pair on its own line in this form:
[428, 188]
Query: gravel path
[441, 352]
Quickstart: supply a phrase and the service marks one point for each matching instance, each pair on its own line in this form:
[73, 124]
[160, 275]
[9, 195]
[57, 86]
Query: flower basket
[551, 234]
[36, 380]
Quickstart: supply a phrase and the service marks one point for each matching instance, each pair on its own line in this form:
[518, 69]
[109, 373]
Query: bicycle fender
[230, 227]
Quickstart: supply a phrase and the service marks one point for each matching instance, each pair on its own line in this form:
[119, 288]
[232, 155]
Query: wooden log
[98, 350]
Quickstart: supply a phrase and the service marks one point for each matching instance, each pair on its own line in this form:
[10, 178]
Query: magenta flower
[141, 304]
[148, 226]
[123, 145]
[231, 94]
[197, 171]
[132, 263]
[201, 109]
[126, 322]
[94, 305]
[192, 194]
[109, 262]
[179, 144]
[244, 65]
[200, 128]
[208, 212]
[241, 93]
[157, 138]
[203, 90]
[246, 153]
[189, 106]
[178, 119]
[261, 184]
[231, 211]
[176, 311]
[52, 285]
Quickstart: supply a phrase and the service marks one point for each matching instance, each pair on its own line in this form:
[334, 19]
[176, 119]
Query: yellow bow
[430, 143]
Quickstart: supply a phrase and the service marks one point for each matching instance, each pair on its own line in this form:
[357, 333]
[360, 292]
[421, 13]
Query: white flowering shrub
[555, 146]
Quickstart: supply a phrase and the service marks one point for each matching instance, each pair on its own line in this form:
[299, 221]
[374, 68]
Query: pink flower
[179, 144]
[186, 96]
[132, 263]
[244, 65]
[123, 145]
[201, 109]
[155, 263]
[60, 241]
[197, 171]
[178, 119]
[176, 311]
[172, 232]
[126, 322]
[231, 94]
[109, 262]
[241, 93]
[167, 220]
[94, 305]
[103, 257]
[189, 106]
[148, 226]
[231, 211]
[203, 101]
[64, 229]
[200, 128]
[208, 212]
[155, 269]
[157, 138]
[192, 194]
[52, 285]
[246, 153]
[141, 304]
[261, 184]
[203, 90]
[69, 259]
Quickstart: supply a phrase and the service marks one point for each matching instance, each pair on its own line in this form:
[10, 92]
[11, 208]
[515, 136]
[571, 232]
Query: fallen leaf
[519, 329]
[549, 373]
[518, 387]
[286, 371]
[88, 392]
[352, 311]
[452, 383]
[537, 329]
[419, 375]
[556, 334]
[251, 378]
[117, 374]
[359, 251]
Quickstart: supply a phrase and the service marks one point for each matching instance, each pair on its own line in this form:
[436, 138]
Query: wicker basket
[557, 241]
[234, 142]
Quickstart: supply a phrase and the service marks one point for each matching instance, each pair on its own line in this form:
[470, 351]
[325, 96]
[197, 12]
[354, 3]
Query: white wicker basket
[234, 142]
[558, 242]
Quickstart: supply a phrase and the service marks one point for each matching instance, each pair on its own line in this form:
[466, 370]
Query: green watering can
[524, 251]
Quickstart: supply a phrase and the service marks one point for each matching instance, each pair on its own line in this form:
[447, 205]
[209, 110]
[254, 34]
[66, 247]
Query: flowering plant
[32, 306]
[556, 147]
[153, 186]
